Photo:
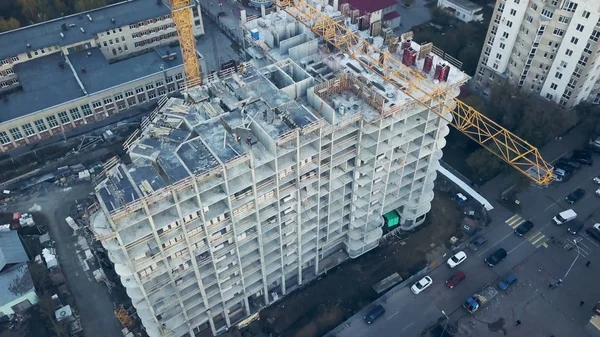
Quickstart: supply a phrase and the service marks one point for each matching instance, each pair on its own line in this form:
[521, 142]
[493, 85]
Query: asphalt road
[537, 259]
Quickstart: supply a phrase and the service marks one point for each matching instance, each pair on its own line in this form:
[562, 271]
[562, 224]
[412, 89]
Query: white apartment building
[60, 74]
[464, 10]
[548, 47]
[259, 182]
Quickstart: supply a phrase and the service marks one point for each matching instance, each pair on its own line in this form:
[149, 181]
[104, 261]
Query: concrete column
[243, 16]
[262, 11]
[335, 4]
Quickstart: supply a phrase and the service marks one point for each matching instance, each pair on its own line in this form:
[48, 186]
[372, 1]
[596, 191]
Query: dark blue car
[507, 281]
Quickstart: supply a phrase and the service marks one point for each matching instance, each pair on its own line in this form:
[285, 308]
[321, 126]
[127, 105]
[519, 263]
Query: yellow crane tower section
[507, 146]
[181, 12]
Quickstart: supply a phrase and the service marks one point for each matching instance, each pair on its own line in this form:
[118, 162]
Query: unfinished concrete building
[252, 185]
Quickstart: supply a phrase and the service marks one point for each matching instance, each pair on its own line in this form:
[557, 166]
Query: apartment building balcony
[212, 196]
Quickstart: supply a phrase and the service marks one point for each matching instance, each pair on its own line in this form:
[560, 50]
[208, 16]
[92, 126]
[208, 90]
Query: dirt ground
[320, 306]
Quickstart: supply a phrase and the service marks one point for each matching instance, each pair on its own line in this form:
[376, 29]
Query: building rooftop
[47, 34]
[100, 74]
[11, 249]
[193, 139]
[466, 4]
[49, 81]
[45, 82]
[369, 6]
[15, 283]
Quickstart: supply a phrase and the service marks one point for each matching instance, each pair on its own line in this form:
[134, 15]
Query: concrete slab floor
[93, 302]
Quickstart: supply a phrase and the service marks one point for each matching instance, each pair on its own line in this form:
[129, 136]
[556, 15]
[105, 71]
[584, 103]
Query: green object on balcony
[391, 218]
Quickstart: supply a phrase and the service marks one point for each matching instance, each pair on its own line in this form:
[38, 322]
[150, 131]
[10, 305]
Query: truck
[480, 298]
[564, 217]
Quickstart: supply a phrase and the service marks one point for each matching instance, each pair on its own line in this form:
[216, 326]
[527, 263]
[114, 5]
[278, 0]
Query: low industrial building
[463, 10]
[17, 292]
[79, 69]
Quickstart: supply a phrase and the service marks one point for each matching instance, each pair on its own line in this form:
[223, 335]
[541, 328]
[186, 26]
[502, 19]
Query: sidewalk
[551, 152]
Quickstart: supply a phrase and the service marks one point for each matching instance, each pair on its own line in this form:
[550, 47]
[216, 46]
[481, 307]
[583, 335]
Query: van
[564, 217]
[559, 172]
[375, 313]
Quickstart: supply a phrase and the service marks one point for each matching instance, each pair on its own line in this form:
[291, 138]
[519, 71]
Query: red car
[456, 279]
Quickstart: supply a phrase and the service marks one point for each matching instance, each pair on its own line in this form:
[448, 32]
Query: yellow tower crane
[507, 146]
[181, 11]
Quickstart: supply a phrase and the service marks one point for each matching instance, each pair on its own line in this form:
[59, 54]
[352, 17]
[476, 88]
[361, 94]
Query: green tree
[589, 116]
[484, 164]
[441, 17]
[9, 24]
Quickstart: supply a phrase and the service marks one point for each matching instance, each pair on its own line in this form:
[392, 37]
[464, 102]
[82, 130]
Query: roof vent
[83, 70]
[89, 53]
[63, 26]
[29, 45]
[61, 64]
[72, 25]
[89, 17]
[62, 35]
[159, 2]
[113, 20]
[82, 30]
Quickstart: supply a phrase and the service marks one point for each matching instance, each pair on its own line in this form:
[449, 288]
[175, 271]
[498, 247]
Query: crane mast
[181, 12]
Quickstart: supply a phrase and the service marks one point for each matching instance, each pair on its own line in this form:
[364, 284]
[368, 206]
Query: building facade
[548, 47]
[95, 64]
[464, 10]
[255, 184]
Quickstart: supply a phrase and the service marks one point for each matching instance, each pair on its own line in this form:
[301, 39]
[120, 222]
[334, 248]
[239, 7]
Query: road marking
[517, 246]
[551, 205]
[537, 239]
[408, 326]
[394, 314]
[515, 221]
[490, 247]
[590, 240]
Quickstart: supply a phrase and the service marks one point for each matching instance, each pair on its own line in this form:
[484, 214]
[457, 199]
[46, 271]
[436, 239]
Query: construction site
[251, 187]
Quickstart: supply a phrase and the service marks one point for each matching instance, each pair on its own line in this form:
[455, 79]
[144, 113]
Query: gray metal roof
[11, 249]
[47, 34]
[100, 74]
[15, 283]
[44, 84]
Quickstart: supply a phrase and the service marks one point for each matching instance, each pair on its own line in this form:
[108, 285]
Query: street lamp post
[446, 324]
[574, 260]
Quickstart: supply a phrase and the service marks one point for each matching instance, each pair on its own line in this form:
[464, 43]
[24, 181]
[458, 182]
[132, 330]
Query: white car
[598, 192]
[423, 283]
[597, 180]
[457, 259]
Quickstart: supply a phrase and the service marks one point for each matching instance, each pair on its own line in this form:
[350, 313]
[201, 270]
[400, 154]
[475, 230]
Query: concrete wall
[285, 45]
[303, 50]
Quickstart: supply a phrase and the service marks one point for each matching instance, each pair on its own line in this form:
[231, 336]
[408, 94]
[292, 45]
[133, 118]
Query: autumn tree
[9, 24]
[35, 11]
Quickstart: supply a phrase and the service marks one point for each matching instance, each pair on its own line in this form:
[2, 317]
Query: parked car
[575, 196]
[598, 192]
[524, 228]
[569, 162]
[374, 314]
[597, 309]
[597, 180]
[567, 168]
[507, 281]
[496, 257]
[583, 153]
[456, 259]
[583, 160]
[455, 279]
[594, 231]
[477, 242]
[575, 227]
[592, 148]
[421, 285]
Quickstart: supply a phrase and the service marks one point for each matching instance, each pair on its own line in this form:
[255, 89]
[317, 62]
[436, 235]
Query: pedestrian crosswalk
[514, 221]
[537, 239]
